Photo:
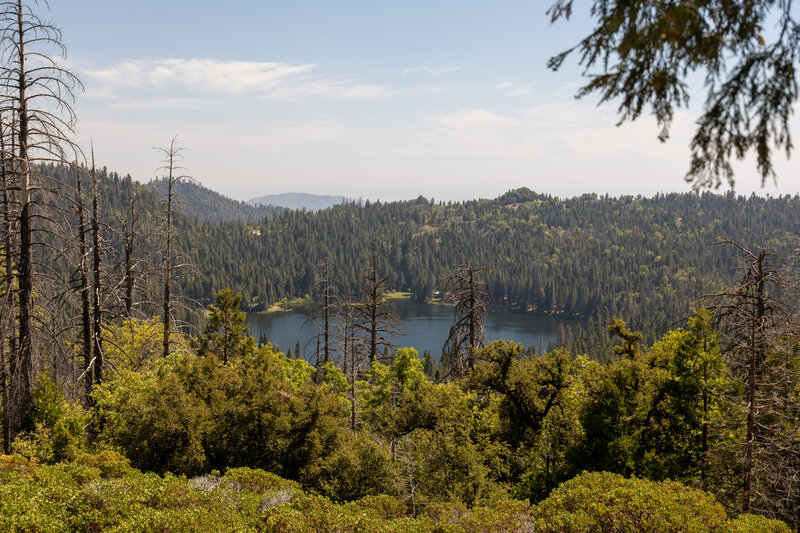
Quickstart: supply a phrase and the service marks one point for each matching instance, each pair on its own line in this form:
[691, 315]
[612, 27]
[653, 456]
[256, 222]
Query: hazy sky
[450, 99]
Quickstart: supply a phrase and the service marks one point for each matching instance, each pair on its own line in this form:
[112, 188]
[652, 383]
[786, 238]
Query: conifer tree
[225, 330]
[642, 54]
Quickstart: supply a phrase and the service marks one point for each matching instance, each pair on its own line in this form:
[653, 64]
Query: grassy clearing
[287, 305]
[399, 295]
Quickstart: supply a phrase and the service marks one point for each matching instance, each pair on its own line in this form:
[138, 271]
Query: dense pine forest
[134, 398]
[649, 260]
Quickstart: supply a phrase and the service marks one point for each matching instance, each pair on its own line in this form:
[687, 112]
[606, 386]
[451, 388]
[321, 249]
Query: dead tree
[350, 348]
[7, 314]
[97, 311]
[326, 303]
[754, 320]
[373, 313]
[38, 92]
[171, 166]
[86, 306]
[129, 235]
[466, 291]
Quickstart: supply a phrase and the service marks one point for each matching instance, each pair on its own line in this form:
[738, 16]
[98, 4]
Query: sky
[378, 99]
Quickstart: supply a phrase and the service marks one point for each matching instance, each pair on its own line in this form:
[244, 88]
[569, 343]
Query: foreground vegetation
[651, 440]
[103, 493]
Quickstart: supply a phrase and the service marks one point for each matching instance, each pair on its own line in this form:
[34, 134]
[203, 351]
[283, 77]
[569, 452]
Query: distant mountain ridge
[300, 200]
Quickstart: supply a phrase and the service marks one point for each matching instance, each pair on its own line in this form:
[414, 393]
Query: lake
[425, 326]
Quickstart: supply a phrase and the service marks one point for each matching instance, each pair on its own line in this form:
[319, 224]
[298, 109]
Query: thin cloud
[431, 70]
[475, 118]
[568, 132]
[515, 89]
[266, 80]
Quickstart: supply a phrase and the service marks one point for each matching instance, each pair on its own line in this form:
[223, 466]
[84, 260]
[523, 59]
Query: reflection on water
[425, 326]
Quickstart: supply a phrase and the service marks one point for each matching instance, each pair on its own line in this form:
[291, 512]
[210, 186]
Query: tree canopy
[642, 55]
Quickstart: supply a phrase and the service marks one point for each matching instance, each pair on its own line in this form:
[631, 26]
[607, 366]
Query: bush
[748, 523]
[77, 497]
[110, 463]
[151, 416]
[385, 507]
[54, 427]
[17, 464]
[188, 415]
[255, 481]
[508, 516]
[602, 501]
[356, 467]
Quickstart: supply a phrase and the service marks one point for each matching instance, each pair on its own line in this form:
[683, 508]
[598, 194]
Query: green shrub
[151, 416]
[110, 463]
[317, 514]
[446, 512]
[17, 464]
[77, 497]
[385, 507]
[508, 516]
[748, 523]
[187, 415]
[356, 467]
[66, 475]
[256, 481]
[54, 427]
[602, 501]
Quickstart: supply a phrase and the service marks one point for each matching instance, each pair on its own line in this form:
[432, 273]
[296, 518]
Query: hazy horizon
[449, 100]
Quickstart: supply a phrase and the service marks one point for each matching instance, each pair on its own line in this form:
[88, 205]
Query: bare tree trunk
[353, 357]
[327, 309]
[473, 321]
[171, 161]
[41, 133]
[373, 331]
[96, 270]
[9, 281]
[704, 444]
[25, 272]
[349, 355]
[167, 273]
[128, 281]
[468, 295]
[375, 318]
[168, 257]
[756, 356]
[754, 319]
[4, 386]
[86, 321]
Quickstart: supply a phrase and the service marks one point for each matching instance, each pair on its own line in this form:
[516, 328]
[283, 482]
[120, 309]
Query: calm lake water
[425, 326]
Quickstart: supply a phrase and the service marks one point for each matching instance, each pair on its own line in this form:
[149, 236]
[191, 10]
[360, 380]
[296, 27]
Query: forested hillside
[205, 204]
[645, 259]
